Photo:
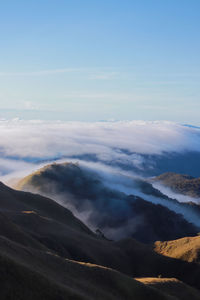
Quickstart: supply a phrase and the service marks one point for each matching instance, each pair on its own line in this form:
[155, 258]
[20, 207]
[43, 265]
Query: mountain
[47, 253]
[103, 207]
[27, 273]
[187, 248]
[29, 266]
[179, 183]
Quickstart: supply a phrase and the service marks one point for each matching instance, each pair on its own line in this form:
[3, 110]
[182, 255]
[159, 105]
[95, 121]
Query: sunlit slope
[187, 248]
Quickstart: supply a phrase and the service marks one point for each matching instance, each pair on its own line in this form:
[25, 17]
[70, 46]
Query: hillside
[187, 248]
[100, 206]
[27, 273]
[32, 269]
[183, 184]
[37, 226]
[172, 287]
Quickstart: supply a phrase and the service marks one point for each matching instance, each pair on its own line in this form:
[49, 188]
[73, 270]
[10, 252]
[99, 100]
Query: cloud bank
[127, 144]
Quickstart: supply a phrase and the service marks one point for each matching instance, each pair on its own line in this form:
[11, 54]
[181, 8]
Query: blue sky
[99, 60]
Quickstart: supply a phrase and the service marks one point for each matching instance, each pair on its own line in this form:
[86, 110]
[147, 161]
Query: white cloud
[110, 96]
[31, 106]
[106, 139]
[104, 75]
[93, 73]
[174, 195]
[111, 142]
[41, 72]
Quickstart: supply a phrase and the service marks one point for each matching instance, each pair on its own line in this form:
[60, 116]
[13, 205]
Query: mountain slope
[183, 184]
[31, 274]
[60, 233]
[113, 212]
[31, 269]
[172, 287]
[187, 248]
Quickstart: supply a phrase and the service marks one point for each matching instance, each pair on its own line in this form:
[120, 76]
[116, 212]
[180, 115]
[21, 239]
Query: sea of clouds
[25, 145]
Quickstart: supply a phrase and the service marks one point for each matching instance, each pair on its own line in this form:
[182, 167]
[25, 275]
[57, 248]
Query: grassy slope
[172, 287]
[30, 270]
[27, 273]
[187, 248]
[58, 230]
[38, 236]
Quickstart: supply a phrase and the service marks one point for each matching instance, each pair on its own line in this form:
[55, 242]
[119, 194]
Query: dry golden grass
[187, 248]
[155, 280]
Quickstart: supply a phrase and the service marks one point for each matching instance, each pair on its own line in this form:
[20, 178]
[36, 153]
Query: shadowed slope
[15, 201]
[31, 274]
[172, 287]
[16, 234]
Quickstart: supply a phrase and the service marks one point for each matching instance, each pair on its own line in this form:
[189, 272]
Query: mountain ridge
[181, 183]
[116, 214]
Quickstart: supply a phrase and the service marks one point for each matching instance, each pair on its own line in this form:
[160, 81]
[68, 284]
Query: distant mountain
[187, 248]
[47, 253]
[115, 213]
[183, 184]
[187, 162]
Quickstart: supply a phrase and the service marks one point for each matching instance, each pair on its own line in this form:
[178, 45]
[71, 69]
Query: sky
[92, 60]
